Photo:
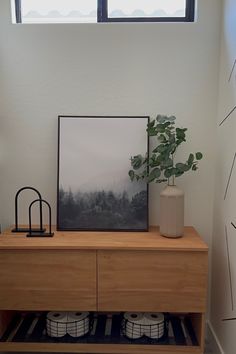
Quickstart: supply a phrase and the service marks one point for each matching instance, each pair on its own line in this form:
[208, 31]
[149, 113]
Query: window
[87, 11]
[149, 10]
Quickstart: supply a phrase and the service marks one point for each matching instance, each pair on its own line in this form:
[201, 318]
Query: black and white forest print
[94, 189]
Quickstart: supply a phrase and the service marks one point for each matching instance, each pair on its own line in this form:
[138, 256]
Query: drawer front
[152, 281]
[48, 280]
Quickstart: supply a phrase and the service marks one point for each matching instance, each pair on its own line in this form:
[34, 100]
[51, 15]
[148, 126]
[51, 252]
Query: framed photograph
[94, 189]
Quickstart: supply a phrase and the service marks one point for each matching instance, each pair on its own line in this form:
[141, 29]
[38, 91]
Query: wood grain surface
[48, 280]
[98, 348]
[152, 281]
[151, 240]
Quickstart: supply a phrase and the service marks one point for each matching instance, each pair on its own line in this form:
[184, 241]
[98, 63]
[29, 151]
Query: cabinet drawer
[47, 280]
[152, 281]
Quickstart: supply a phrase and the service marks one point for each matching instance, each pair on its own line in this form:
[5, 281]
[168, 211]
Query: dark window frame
[102, 14]
[18, 11]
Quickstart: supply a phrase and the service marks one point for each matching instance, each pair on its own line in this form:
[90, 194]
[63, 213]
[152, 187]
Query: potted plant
[160, 166]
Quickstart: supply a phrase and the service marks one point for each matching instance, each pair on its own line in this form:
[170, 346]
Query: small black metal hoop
[17, 229]
[40, 234]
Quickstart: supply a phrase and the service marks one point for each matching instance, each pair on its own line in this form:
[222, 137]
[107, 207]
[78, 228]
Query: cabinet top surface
[106, 240]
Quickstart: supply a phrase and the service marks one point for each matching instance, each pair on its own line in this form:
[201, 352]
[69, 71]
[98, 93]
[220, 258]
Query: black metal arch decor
[25, 230]
[40, 234]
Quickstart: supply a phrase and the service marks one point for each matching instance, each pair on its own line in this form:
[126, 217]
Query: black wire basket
[154, 331]
[75, 328]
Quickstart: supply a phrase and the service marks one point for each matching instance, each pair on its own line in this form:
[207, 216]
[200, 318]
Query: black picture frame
[91, 197]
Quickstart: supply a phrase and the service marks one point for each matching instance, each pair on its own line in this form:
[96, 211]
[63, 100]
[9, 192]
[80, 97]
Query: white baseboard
[213, 339]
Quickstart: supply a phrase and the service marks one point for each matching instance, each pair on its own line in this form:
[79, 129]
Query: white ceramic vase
[172, 212]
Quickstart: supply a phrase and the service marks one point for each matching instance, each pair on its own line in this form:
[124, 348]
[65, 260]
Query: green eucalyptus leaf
[131, 175]
[172, 139]
[180, 166]
[190, 159]
[153, 157]
[180, 134]
[160, 128]
[181, 130]
[151, 124]
[162, 148]
[179, 141]
[144, 174]
[155, 150]
[167, 163]
[152, 131]
[154, 174]
[158, 160]
[179, 173]
[168, 173]
[162, 157]
[194, 168]
[168, 133]
[162, 138]
[166, 124]
[161, 119]
[171, 148]
[136, 162]
[199, 155]
[154, 163]
[186, 167]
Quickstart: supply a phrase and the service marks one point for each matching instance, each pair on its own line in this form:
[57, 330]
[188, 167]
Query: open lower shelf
[28, 329]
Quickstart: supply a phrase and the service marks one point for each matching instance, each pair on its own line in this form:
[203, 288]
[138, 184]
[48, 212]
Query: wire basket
[58, 326]
[155, 331]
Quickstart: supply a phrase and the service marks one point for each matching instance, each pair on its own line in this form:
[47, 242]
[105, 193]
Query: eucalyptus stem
[173, 180]
[173, 176]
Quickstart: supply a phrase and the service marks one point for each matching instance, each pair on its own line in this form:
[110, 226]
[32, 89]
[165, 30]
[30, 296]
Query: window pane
[53, 11]
[146, 8]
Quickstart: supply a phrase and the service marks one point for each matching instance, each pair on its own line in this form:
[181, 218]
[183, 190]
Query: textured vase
[172, 212]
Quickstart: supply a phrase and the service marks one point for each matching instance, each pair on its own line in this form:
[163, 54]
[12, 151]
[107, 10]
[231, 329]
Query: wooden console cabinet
[105, 272]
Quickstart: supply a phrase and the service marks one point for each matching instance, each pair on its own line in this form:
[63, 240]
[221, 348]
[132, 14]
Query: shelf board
[106, 240]
[27, 333]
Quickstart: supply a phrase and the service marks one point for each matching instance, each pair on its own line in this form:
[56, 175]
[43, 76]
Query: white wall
[223, 304]
[102, 69]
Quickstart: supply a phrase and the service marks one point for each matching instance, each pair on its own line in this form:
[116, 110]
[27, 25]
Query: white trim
[213, 339]
[13, 11]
